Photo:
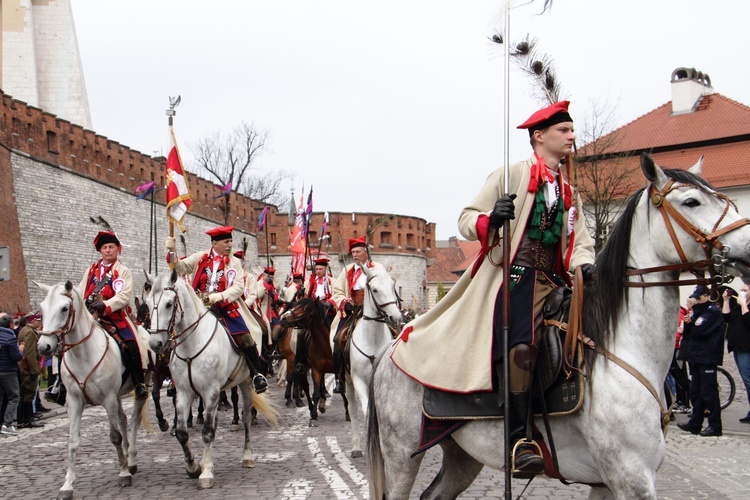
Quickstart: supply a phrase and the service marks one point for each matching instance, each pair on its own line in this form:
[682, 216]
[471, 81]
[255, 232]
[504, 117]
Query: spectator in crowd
[10, 353]
[736, 316]
[29, 368]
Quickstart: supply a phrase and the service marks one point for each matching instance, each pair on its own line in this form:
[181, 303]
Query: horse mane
[606, 297]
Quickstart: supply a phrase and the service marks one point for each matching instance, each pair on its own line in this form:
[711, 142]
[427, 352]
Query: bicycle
[725, 381]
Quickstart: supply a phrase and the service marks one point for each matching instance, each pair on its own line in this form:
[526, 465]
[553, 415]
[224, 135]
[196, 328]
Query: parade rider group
[548, 240]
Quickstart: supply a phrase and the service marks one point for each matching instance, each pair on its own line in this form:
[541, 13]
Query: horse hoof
[125, 481]
[163, 425]
[348, 418]
[195, 474]
[248, 463]
[313, 423]
[65, 495]
[322, 408]
[172, 432]
[133, 469]
[190, 423]
[254, 421]
[299, 403]
[234, 427]
[205, 483]
[289, 403]
[199, 421]
[357, 454]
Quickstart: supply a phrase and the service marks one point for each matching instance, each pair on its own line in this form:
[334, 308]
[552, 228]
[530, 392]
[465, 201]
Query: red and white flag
[178, 192]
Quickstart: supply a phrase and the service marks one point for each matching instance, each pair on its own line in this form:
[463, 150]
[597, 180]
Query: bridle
[62, 332]
[715, 263]
[382, 316]
[300, 314]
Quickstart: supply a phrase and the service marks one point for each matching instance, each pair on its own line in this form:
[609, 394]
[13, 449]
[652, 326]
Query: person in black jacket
[737, 318]
[704, 332]
[10, 354]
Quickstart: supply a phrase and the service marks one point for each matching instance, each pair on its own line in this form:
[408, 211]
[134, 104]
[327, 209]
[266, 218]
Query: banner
[178, 192]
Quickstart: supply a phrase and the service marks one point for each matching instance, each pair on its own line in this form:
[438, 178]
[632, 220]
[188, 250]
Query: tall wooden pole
[506, 264]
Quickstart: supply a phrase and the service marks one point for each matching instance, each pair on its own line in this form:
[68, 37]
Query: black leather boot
[339, 388]
[132, 360]
[526, 459]
[253, 362]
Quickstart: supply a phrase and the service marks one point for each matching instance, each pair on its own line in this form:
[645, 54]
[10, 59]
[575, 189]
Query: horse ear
[173, 276]
[137, 303]
[44, 287]
[697, 168]
[150, 278]
[366, 270]
[68, 286]
[651, 171]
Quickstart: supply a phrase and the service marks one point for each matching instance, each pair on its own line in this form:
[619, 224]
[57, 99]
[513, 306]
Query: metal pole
[151, 238]
[505, 294]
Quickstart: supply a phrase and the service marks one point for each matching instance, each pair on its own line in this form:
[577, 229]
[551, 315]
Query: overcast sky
[392, 106]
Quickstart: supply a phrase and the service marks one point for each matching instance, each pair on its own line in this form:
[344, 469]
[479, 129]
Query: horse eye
[691, 202]
[168, 305]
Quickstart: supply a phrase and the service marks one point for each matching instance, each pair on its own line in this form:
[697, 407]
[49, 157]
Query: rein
[382, 317]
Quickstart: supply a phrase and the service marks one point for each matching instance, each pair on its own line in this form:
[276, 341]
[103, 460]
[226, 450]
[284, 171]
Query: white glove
[743, 295]
[214, 298]
[171, 243]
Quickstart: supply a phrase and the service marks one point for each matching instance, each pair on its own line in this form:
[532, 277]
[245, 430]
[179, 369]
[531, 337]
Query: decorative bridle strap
[189, 359]
[69, 321]
[588, 342]
[82, 385]
[382, 315]
[709, 241]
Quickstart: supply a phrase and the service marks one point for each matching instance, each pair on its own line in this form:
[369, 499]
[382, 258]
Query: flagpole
[170, 114]
[151, 237]
[505, 289]
[268, 256]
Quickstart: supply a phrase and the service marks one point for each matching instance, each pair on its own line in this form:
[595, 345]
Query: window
[410, 243]
[386, 239]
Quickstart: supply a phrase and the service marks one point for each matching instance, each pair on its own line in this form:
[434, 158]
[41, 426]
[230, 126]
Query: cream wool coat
[450, 346]
[233, 293]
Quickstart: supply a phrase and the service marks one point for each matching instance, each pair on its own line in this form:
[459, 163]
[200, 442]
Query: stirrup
[260, 384]
[521, 473]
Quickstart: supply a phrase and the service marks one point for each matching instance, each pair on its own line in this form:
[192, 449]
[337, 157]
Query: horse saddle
[562, 390]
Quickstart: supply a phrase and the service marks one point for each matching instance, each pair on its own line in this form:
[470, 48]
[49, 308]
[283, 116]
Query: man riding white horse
[107, 288]
[348, 296]
[218, 278]
[548, 238]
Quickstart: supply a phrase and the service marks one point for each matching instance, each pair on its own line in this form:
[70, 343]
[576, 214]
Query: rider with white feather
[107, 288]
[218, 278]
[548, 239]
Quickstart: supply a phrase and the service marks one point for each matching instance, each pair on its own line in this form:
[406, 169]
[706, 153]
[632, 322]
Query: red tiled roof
[450, 260]
[715, 117]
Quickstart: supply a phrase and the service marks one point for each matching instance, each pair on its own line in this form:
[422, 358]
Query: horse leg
[75, 412]
[206, 479]
[199, 419]
[248, 460]
[456, 474]
[354, 415]
[157, 380]
[304, 385]
[118, 434]
[319, 396]
[182, 407]
[347, 417]
[301, 385]
[601, 493]
[135, 423]
[235, 407]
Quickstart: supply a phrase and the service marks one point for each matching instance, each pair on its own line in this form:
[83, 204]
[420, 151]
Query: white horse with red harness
[92, 371]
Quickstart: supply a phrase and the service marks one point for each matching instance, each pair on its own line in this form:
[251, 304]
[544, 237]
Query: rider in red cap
[218, 278]
[348, 296]
[107, 288]
[320, 286]
[548, 238]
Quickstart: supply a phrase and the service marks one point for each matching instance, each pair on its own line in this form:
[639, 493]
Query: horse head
[704, 225]
[59, 309]
[173, 305]
[381, 292]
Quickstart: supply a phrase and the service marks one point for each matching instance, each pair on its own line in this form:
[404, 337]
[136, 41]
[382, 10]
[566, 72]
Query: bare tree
[232, 159]
[604, 177]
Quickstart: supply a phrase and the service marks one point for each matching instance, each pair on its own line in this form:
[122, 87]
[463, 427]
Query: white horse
[615, 442]
[203, 364]
[92, 372]
[370, 336]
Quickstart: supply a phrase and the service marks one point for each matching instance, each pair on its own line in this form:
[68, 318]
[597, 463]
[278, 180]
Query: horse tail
[266, 408]
[375, 462]
[145, 420]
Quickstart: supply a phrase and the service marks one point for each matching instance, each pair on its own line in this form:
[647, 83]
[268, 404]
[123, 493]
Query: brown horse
[313, 351]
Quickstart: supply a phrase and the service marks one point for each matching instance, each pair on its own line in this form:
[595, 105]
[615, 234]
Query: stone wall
[54, 211]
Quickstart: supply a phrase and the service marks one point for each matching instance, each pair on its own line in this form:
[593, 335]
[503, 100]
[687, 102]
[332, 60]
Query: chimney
[688, 86]
[453, 242]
